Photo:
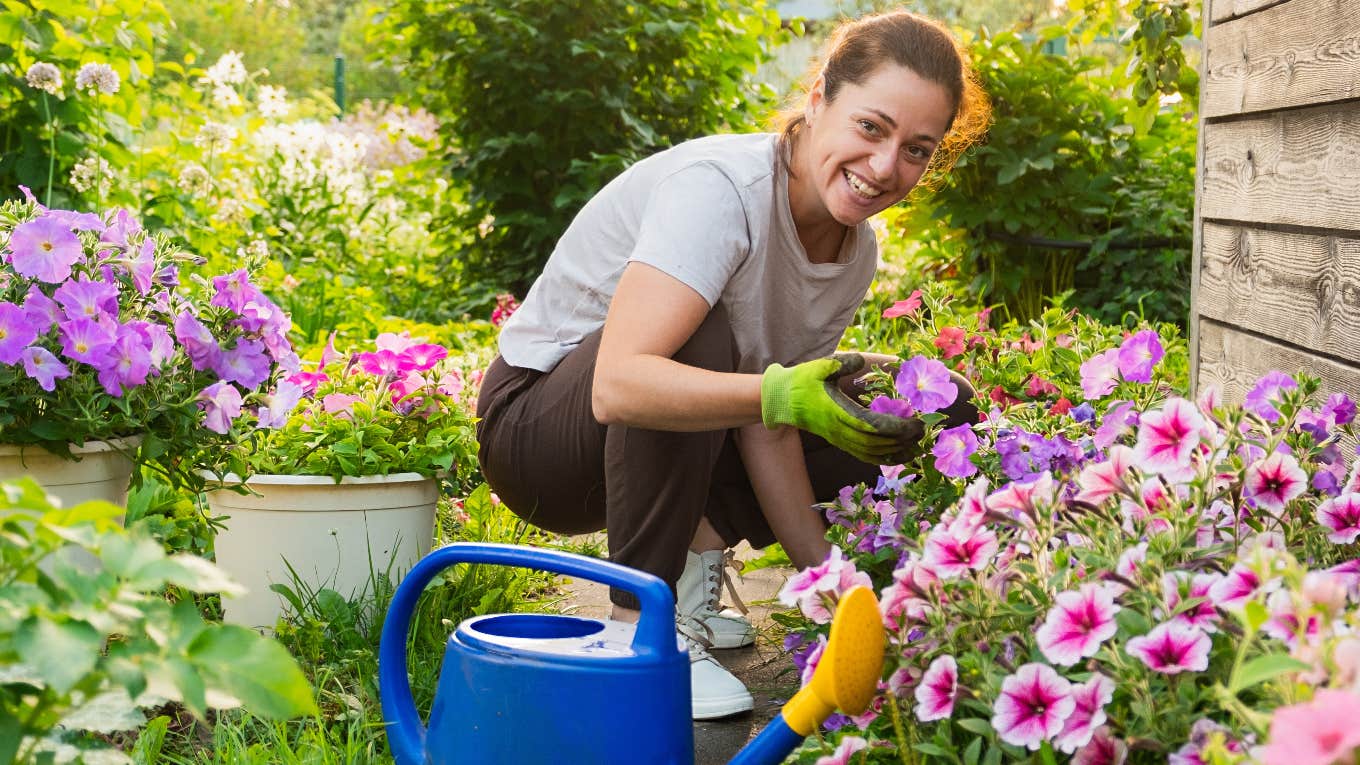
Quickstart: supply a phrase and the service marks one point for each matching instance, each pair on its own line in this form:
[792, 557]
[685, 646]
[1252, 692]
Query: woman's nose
[882, 163]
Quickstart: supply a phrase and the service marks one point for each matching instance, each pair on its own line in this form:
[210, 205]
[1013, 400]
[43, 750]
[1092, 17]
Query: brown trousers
[555, 466]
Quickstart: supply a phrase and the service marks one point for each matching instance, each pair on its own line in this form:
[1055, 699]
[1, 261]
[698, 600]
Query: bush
[544, 102]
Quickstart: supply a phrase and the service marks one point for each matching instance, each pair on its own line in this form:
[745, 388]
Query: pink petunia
[1168, 438]
[1115, 424]
[339, 403]
[810, 588]
[1099, 481]
[1178, 587]
[1139, 354]
[1171, 648]
[309, 381]
[44, 249]
[844, 751]
[1287, 621]
[1023, 498]
[907, 307]
[938, 688]
[1274, 481]
[1099, 374]
[950, 552]
[1235, 588]
[1033, 706]
[221, 403]
[424, 356]
[1079, 621]
[1103, 749]
[379, 363]
[951, 341]
[1317, 732]
[1088, 714]
[1341, 516]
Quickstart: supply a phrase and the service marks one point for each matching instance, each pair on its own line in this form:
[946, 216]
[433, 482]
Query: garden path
[765, 667]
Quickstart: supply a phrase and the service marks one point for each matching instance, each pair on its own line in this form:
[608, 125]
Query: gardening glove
[807, 397]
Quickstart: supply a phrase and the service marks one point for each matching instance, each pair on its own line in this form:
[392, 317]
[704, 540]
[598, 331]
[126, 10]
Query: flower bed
[1135, 578]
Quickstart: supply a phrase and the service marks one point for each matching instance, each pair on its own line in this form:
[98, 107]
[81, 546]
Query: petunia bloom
[847, 748]
[951, 551]
[16, 333]
[1171, 648]
[1099, 374]
[1203, 615]
[1077, 624]
[1088, 714]
[952, 451]
[1103, 749]
[1341, 516]
[1263, 397]
[937, 690]
[44, 249]
[894, 406]
[1168, 438]
[1033, 706]
[951, 341]
[279, 404]
[1101, 480]
[906, 307]
[1139, 354]
[926, 384]
[1317, 732]
[221, 403]
[1272, 482]
[41, 365]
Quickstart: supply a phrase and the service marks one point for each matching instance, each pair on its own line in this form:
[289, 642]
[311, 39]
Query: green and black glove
[807, 397]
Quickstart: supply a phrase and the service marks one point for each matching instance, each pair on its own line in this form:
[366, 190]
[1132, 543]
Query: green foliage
[1062, 164]
[1153, 30]
[545, 102]
[44, 135]
[86, 637]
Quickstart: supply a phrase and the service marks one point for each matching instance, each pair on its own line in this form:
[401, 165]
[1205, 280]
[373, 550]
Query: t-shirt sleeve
[694, 228]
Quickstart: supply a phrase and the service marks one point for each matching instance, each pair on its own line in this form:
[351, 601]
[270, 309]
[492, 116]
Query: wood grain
[1300, 53]
[1234, 361]
[1222, 10]
[1300, 288]
[1297, 168]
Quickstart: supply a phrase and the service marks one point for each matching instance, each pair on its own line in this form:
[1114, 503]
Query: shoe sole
[724, 645]
[726, 706]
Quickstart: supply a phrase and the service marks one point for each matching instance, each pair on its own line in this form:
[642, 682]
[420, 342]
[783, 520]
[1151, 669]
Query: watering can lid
[549, 635]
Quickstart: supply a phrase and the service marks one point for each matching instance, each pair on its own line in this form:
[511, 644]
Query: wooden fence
[1277, 220]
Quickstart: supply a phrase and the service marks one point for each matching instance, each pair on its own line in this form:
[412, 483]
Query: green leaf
[972, 752]
[975, 725]
[61, 652]
[934, 750]
[255, 669]
[1263, 668]
[1256, 615]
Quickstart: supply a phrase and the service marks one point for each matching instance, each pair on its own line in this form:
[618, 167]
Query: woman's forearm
[658, 393]
[778, 473]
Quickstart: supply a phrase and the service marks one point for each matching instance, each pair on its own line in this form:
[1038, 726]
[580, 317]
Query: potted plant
[341, 479]
[109, 359]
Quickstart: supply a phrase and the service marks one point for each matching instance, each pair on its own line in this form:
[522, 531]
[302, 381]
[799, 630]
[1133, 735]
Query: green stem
[904, 750]
[51, 150]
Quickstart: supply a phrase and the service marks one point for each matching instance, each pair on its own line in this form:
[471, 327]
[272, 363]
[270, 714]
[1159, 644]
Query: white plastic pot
[332, 535]
[100, 470]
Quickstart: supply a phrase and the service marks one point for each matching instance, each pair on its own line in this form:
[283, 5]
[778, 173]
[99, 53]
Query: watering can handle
[655, 633]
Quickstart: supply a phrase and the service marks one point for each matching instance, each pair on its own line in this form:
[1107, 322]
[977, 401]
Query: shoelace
[697, 636]
[717, 577]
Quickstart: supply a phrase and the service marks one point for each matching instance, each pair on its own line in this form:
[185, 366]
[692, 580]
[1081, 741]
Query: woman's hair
[857, 48]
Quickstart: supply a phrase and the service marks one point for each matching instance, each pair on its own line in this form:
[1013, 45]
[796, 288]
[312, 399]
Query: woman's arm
[778, 472]
[636, 382]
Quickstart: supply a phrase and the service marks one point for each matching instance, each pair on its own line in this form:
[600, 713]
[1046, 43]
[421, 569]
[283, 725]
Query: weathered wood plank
[1234, 361]
[1295, 168]
[1299, 288]
[1222, 10]
[1300, 53]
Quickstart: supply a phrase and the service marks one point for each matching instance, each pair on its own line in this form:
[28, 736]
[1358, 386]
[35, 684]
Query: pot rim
[120, 444]
[287, 479]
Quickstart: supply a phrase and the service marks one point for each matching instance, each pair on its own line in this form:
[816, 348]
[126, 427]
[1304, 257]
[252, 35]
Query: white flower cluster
[45, 77]
[397, 135]
[313, 154]
[273, 101]
[97, 78]
[213, 133]
[194, 179]
[92, 171]
[223, 77]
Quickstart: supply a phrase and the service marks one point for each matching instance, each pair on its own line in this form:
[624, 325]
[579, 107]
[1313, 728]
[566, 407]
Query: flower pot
[100, 470]
[333, 535]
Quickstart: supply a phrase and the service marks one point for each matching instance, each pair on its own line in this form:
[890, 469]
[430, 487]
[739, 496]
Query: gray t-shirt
[713, 213]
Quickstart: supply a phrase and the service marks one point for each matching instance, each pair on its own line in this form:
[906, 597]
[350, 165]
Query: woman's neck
[820, 234]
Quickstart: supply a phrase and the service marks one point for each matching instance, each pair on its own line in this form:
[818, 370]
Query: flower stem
[51, 150]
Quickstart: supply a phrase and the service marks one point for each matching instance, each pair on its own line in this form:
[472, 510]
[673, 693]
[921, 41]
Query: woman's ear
[816, 100]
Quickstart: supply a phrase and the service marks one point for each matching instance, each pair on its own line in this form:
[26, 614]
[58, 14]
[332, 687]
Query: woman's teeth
[860, 187]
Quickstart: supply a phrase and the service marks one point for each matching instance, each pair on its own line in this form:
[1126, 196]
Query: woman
[665, 377]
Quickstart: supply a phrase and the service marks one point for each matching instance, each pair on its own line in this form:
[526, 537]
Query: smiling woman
[669, 376]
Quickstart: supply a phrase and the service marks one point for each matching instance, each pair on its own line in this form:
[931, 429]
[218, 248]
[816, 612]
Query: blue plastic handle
[654, 637]
[770, 747]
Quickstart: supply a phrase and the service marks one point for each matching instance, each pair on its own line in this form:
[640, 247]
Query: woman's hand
[807, 396]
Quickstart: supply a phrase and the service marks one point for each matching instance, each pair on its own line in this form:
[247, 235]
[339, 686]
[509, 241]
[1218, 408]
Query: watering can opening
[538, 626]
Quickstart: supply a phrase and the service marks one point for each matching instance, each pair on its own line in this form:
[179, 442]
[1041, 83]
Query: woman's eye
[868, 127]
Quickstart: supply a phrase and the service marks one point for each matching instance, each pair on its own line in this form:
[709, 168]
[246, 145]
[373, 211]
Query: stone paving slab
[764, 667]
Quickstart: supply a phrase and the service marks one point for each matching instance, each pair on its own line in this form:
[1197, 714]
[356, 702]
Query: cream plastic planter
[327, 532]
[100, 472]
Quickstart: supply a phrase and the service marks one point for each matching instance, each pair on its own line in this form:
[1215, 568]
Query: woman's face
[866, 149]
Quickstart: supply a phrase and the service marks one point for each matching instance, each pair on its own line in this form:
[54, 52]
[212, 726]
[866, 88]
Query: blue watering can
[524, 689]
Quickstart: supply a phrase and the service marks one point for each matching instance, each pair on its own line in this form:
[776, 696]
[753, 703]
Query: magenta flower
[951, 551]
[1171, 648]
[380, 363]
[279, 404]
[16, 333]
[1262, 398]
[1139, 354]
[952, 450]
[1103, 749]
[309, 381]
[1317, 732]
[1286, 622]
[198, 342]
[85, 298]
[44, 249]
[1033, 705]
[1088, 714]
[926, 384]
[221, 403]
[424, 356]
[1076, 625]
[897, 407]
[832, 577]
[41, 365]
[906, 307]
[126, 363]
[1341, 516]
[937, 690]
[1168, 437]
[85, 340]
[1235, 588]
[1099, 374]
[1177, 587]
[1274, 481]
[1023, 498]
[1099, 481]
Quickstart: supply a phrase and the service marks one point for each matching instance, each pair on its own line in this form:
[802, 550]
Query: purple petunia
[41, 365]
[895, 406]
[952, 451]
[221, 403]
[926, 384]
[126, 363]
[1263, 397]
[87, 298]
[16, 332]
[44, 249]
[198, 342]
[246, 363]
[85, 340]
[1139, 354]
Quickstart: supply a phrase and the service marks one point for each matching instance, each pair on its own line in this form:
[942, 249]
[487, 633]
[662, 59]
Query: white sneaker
[714, 692]
[696, 597]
